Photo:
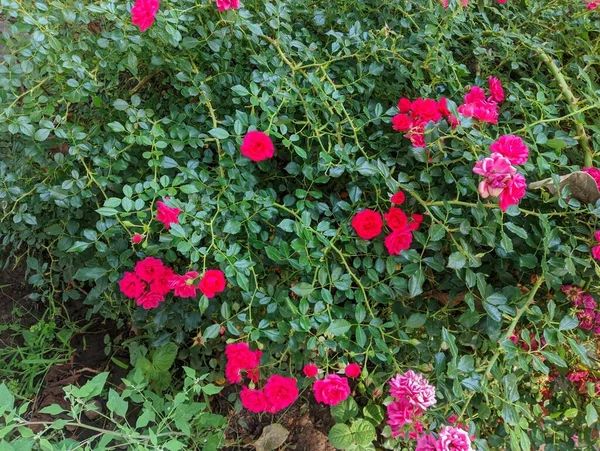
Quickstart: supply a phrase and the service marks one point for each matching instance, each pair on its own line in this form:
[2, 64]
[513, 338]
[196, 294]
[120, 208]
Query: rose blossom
[332, 390]
[223, 5]
[453, 439]
[396, 219]
[398, 241]
[415, 387]
[368, 224]
[496, 89]
[404, 105]
[426, 443]
[253, 400]
[399, 413]
[425, 110]
[352, 370]
[399, 198]
[212, 282]
[240, 357]
[310, 370]
[167, 215]
[596, 252]
[401, 122]
[594, 173]
[162, 282]
[150, 300]
[149, 269]
[281, 392]
[143, 13]
[512, 147]
[514, 191]
[137, 238]
[131, 286]
[183, 286]
[257, 146]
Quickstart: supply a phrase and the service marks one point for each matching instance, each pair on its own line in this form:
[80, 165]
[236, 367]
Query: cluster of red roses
[368, 224]
[415, 115]
[332, 389]
[152, 280]
[278, 393]
[585, 305]
[582, 378]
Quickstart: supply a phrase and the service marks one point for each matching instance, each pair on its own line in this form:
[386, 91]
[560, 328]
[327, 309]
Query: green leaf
[116, 404]
[52, 409]
[116, 127]
[457, 260]
[106, 211]
[450, 340]
[41, 134]
[345, 410]
[164, 356]
[232, 226]
[211, 389]
[240, 90]
[92, 388]
[374, 413]
[591, 415]
[212, 331]
[580, 350]
[219, 133]
[7, 399]
[568, 323]
[120, 104]
[287, 225]
[571, 413]
[79, 246]
[340, 436]
[338, 327]
[437, 232]
[85, 274]
[302, 289]
[363, 432]
[416, 320]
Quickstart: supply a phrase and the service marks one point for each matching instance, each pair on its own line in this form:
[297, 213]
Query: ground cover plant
[386, 209]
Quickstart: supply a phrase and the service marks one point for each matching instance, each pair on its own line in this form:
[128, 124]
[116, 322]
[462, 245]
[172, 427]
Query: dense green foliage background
[99, 122]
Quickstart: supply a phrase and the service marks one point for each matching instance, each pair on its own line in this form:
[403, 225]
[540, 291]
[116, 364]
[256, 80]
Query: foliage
[172, 423]
[101, 122]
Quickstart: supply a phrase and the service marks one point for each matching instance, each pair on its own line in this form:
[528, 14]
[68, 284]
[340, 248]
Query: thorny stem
[566, 90]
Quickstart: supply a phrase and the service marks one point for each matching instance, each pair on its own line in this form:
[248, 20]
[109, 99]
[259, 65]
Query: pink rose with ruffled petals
[497, 171]
[514, 191]
[453, 439]
[143, 13]
[167, 215]
[426, 443]
[496, 89]
[475, 95]
[596, 252]
[415, 388]
[150, 300]
[399, 413]
[332, 390]
[183, 286]
[511, 147]
[223, 5]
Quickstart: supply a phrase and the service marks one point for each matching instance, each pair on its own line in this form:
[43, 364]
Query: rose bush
[247, 153]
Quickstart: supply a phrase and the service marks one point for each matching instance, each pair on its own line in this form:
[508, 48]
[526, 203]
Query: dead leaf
[583, 186]
[272, 437]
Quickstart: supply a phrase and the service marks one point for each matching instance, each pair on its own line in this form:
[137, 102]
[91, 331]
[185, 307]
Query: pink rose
[496, 87]
[223, 5]
[512, 147]
[332, 390]
[131, 286]
[399, 413]
[401, 122]
[596, 252]
[514, 191]
[212, 282]
[404, 105]
[167, 215]
[453, 439]
[150, 300]
[426, 443]
[257, 146]
[143, 13]
[183, 286]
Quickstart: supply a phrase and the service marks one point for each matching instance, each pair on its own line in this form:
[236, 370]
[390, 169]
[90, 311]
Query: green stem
[566, 90]
[507, 334]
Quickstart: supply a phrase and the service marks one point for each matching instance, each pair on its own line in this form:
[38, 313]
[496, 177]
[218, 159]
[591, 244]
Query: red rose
[398, 198]
[137, 238]
[398, 241]
[281, 392]
[332, 390]
[131, 286]
[425, 110]
[352, 370]
[240, 357]
[396, 219]
[183, 286]
[310, 370]
[150, 300]
[401, 123]
[167, 215]
[149, 269]
[404, 105]
[368, 224]
[212, 282]
[254, 400]
[257, 146]
[443, 107]
[417, 219]
[162, 282]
